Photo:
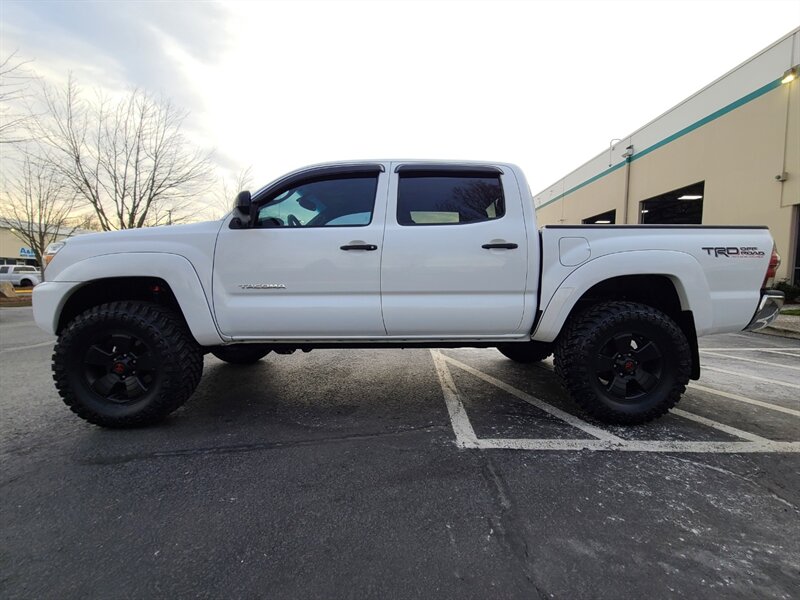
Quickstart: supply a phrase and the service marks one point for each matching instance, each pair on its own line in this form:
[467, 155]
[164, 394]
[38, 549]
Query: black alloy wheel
[623, 362]
[126, 364]
[120, 367]
[628, 366]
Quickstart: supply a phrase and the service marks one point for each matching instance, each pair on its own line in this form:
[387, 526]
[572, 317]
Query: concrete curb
[779, 332]
[21, 303]
[787, 326]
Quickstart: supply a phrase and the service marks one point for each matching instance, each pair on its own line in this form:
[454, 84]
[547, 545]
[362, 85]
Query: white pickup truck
[397, 254]
[20, 275]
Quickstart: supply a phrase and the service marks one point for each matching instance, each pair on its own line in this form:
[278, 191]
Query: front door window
[341, 202]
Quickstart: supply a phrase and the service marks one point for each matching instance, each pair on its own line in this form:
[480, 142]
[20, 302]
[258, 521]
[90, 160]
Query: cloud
[117, 44]
[277, 85]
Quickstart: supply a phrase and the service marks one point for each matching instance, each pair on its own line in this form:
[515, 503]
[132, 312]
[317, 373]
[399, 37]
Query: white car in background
[21, 275]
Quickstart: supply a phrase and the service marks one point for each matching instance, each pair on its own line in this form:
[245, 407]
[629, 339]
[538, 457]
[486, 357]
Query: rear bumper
[768, 309]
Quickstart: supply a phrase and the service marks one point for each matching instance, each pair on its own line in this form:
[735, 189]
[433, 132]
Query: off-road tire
[526, 352]
[582, 352]
[176, 356]
[241, 354]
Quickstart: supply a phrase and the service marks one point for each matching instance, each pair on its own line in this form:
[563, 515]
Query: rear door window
[448, 199]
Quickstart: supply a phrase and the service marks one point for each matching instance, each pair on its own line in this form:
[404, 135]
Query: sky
[279, 85]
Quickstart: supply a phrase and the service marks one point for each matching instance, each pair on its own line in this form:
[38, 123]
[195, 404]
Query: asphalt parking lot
[403, 474]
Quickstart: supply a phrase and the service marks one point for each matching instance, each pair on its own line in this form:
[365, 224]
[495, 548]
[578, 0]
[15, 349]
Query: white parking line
[17, 324]
[466, 438]
[465, 434]
[770, 349]
[28, 347]
[641, 446]
[745, 399]
[740, 433]
[547, 365]
[751, 360]
[750, 338]
[782, 352]
[568, 418]
[753, 377]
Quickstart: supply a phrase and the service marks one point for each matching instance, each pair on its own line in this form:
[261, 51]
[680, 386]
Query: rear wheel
[25, 283]
[623, 362]
[241, 354]
[126, 364]
[526, 352]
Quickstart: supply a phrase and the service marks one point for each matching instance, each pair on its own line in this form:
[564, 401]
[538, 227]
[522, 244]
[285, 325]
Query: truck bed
[722, 266]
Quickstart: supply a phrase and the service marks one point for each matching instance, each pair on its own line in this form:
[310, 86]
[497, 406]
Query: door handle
[503, 246]
[359, 247]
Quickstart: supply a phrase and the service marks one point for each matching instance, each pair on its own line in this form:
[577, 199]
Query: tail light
[772, 269]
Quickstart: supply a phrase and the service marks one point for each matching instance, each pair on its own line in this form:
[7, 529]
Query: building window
[605, 218]
[683, 206]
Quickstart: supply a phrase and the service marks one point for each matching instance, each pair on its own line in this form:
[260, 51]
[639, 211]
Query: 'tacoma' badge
[262, 286]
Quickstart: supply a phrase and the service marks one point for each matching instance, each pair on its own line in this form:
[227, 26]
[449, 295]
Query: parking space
[416, 473]
[708, 419]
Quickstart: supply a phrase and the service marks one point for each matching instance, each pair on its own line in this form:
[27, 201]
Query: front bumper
[768, 310]
[49, 298]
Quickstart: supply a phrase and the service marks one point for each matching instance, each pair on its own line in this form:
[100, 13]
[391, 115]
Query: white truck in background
[20, 275]
[397, 254]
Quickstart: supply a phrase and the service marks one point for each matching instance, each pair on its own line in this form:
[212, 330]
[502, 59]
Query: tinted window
[434, 200]
[329, 203]
[3, 269]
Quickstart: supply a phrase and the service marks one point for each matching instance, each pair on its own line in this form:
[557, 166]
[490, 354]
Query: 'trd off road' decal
[734, 252]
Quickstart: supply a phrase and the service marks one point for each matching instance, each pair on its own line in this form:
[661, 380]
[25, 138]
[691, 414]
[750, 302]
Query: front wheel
[126, 364]
[25, 283]
[623, 362]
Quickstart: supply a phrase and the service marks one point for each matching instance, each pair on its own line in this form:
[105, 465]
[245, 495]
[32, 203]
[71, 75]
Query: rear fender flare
[681, 268]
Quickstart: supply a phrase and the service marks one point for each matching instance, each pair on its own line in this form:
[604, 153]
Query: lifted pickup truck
[390, 254]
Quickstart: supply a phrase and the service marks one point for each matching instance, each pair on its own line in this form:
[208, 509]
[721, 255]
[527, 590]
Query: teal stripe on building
[696, 125]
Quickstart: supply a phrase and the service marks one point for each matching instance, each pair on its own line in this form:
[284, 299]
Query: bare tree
[222, 201]
[13, 86]
[84, 221]
[127, 159]
[36, 205]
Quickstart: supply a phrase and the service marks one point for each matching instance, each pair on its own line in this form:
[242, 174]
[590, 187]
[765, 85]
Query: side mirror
[243, 206]
[243, 202]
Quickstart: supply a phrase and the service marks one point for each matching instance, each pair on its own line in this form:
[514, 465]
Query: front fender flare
[177, 271]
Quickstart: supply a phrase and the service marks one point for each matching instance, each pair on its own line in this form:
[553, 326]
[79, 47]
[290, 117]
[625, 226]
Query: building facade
[14, 251]
[728, 155]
